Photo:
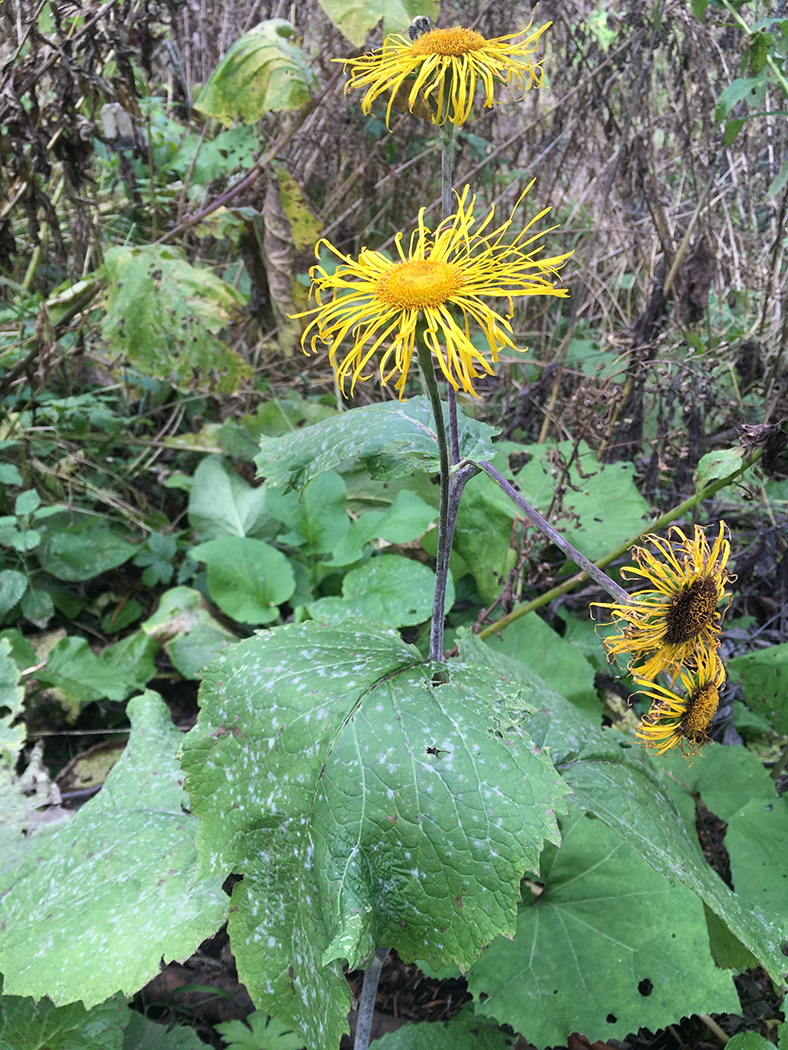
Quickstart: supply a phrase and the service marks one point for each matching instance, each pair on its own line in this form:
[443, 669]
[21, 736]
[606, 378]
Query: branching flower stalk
[447, 161]
[596, 574]
[452, 483]
[449, 521]
[657, 525]
[425, 303]
[444, 544]
[451, 488]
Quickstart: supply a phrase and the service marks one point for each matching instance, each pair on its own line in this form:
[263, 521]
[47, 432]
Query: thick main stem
[444, 531]
[447, 162]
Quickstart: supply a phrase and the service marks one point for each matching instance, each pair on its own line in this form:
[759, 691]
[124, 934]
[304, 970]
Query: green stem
[447, 162]
[444, 532]
[657, 525]
[450, 487]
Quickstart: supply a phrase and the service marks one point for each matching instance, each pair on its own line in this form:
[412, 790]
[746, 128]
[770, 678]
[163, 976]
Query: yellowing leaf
[355, 18]
[305, 228]
[167, 315]
[262, 71]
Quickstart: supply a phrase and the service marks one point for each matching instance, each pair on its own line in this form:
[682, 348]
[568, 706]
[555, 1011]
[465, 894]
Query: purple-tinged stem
[366, 1004]
[596, 574]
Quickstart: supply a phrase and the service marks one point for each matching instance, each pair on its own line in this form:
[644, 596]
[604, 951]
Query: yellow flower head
[672, 622]
[379, 303]
[446, 66]
[684, 721]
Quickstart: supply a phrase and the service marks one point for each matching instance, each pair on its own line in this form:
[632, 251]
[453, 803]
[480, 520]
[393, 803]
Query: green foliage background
[184, 501]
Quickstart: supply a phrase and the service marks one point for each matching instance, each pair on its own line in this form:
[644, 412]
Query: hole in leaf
[611, 1018]
[645, 987]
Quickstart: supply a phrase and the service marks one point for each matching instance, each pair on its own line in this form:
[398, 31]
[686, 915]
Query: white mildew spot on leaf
[391, 797]
[121, 872]
[390, 439]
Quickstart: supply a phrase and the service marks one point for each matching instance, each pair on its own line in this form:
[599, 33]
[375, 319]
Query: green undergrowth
[209, 560]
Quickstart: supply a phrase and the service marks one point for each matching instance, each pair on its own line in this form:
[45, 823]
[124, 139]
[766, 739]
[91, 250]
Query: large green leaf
[116, 883]
[756, 840]
[388, 591]
[603, 504]
[735, 786]
[607, 947]
[366, 801]
[612, 777]
[13, 585]
[80, 546]
[81, 677]
[167, 316]
[569, 730]
[221, 503]
[391, 439]
[623, 790]
[763, 675]
[318, 520]
[248, 579]
[183, 624]
[535, 644]
[407, 518]
[463, 1032]
[262, 71]
[27, 1025]
[726, 778]
[112, 1025]
[355, 18]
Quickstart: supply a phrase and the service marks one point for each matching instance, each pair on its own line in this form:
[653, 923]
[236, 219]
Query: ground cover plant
[343, 641]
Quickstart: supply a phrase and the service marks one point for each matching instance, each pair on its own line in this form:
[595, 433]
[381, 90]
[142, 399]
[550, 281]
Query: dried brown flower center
[701, 708]
[419, 283]
[692, 610]
[456, 41]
